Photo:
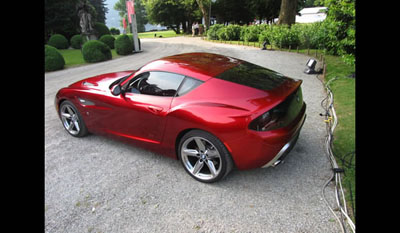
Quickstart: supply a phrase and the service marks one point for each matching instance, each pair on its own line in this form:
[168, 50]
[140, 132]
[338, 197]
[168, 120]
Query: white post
[135, 34]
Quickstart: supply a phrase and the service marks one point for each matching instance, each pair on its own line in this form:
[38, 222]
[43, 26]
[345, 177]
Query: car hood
[100, 82]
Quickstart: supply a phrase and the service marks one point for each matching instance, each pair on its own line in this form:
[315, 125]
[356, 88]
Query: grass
[73, 57]
[164, 34]
[343, 89]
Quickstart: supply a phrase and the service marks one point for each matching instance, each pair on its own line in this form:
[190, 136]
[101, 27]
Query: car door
[146, 102]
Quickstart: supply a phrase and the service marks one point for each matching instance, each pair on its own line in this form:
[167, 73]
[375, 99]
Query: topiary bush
[108, 40]
[96, 51]
[114, 31]
[123, 45]
[53, 60]
[101, 29]
[58, 41]
[76, 41]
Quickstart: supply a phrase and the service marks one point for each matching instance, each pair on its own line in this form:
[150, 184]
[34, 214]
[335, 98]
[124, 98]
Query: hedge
[96, 51]
[313, 36]
[53, 60]
[320, 35]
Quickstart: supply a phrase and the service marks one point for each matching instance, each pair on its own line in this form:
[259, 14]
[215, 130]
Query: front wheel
[72, 120]
[204, 156]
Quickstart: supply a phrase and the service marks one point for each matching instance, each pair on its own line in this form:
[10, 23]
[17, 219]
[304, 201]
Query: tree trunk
[204, 8]
[287, 14]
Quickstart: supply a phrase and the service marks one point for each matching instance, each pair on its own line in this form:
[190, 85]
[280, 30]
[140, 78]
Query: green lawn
[73, 57]
[343, 89]
[164, 34]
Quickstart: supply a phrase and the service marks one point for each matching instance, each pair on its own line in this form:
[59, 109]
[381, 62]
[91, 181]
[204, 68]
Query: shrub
[96, 51]
[283, 36]
[265, 35]
[250, 33]
[114, 31]
[131, 38]
[108, 40]
[58, 41]
[232, 32]
[53, 60]
[212, 32]
[221, 33]
[123, 45]
[76, 41]
[101, 29]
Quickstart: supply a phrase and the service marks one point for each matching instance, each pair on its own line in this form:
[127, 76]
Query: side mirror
[116, 90]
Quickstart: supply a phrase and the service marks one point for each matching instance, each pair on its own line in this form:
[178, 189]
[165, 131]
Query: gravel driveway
[95, 184]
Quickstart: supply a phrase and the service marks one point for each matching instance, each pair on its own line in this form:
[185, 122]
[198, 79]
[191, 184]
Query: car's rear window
[252, 75]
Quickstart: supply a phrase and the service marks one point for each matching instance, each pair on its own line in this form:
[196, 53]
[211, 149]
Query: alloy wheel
[201, 158]
[70, 119]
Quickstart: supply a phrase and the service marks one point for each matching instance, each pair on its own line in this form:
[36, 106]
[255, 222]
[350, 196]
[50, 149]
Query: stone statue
[85, 18]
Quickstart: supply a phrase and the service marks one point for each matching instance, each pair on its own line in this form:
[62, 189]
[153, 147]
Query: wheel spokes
[200, 144]
[197, 167]
[70, 119]
[211, 167]
[201, 158]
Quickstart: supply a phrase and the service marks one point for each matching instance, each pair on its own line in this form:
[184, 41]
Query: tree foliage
[172, 13]
[61, 17]
[340, 24]
[101, 10]
[140, 11]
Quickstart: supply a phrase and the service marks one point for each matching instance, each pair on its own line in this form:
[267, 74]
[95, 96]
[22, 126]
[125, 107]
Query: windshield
[120, 80]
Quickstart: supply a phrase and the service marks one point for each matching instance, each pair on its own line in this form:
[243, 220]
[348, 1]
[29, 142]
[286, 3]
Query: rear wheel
[72, 120]
[204, 156]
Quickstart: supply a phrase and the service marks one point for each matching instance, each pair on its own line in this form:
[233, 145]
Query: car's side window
[188, 85]
[156, 83]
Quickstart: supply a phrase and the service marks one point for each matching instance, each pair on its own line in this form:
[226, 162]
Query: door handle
[155, 109]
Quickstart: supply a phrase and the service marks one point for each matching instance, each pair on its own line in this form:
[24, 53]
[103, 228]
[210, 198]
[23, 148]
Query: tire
[72, 120]
[204, 156]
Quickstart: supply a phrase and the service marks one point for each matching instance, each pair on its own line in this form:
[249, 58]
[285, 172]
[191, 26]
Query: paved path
[95, 184]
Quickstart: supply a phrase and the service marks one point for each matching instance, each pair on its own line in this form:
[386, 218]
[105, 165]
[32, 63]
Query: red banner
[130, 7]
[124, 22]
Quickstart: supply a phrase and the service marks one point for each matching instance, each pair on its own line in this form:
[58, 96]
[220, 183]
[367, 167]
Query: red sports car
[209, 111]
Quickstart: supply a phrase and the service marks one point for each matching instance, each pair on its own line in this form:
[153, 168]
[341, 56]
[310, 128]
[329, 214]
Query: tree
[233, 11]
[265, 9]
[101, 10]
[204, 6]
[287, 14]
[172, 13]
[341, 14]
[61, 17]
[165, 12]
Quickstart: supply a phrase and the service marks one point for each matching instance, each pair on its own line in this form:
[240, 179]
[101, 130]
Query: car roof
[197, 65]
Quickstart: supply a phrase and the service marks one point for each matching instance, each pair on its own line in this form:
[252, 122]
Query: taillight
[281, 115]
[267, 121]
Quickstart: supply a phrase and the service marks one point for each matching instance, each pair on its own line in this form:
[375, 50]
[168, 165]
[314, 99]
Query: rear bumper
[279, 158]
[266, 148]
